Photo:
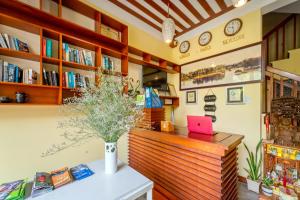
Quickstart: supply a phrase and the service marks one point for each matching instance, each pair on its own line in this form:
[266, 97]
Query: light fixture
[238, 3]
[168, 29]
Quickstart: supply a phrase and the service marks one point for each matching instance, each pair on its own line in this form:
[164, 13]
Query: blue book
[5, 71]
[71, 79]
[11, 72]
[48, 47]
[16, 43]
[16, 74]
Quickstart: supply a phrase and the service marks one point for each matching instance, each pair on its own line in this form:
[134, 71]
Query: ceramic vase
[111, 158]
[253, 185]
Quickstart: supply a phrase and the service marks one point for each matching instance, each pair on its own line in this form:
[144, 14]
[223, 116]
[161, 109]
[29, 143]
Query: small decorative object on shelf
[166, 126]
[254, 161]
[106, 113]
[21, 97]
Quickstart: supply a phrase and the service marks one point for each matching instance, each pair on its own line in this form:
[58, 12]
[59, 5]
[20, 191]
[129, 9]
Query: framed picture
[191, 97]
[172, 90]
[242, 65]
[235, 95]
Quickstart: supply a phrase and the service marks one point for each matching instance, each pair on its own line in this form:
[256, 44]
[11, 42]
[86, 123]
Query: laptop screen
[200, 124]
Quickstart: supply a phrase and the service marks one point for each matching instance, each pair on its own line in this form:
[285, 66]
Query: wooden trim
[283, 41]
[276, 43]
[163, 12]
[283, 73]
[140, 17]
[219, 54]
[295, 89]
[281, 87]
[206, 7]
[178, 11]
[295, 31]
[192, 9]
[286, 20]
[221, 4]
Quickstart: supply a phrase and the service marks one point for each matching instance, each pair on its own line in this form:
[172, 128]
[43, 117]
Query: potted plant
[267, 184]
[103, 111]
[254, 163]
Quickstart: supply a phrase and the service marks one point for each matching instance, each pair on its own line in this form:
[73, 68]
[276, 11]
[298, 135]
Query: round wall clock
[233, 27]
[205, 38]
[184, 46]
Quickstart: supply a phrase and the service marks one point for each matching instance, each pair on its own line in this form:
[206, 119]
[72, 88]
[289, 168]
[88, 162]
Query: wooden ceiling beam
[178, 11]
[164, 13]
[193, 10]
[130, 11]
[206, 20]
[221, 4]
[145, 10]
[206, 7]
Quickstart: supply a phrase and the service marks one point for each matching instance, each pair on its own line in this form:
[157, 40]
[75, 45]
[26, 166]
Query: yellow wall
[240, 119]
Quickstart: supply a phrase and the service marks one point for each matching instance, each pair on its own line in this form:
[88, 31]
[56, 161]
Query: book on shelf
[47, 46]
[50, 78]
[10, 42]
[75, 80]
[107, 63]
[111, 33]
[80, 56]
[12, 73]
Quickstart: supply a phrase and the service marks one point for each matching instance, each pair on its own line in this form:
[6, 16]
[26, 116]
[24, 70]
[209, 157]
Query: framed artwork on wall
[235, 95]
[242, 65]
[191, 97]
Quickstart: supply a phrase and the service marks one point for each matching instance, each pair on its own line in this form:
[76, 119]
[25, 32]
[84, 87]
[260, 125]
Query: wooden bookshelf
[146, 59]
[45, 25]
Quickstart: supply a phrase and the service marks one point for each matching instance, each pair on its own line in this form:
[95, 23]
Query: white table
[125, 184]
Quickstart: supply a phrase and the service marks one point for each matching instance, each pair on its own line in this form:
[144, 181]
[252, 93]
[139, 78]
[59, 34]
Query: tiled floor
[245, 194]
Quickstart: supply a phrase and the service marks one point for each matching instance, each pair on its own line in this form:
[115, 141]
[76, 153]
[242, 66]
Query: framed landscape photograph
[237, 66]
[191, 96]
[235, 95]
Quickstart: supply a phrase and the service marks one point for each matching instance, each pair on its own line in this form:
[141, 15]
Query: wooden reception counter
[185, 167]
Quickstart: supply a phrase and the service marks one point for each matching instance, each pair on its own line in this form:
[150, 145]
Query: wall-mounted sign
[210, 98]
[210, 105]
[210, 108]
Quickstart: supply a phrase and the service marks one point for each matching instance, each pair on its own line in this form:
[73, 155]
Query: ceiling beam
[190, 7]
[206, 7]
[164, 13]
[145, 10]
[206, 20]
[178, 11]
[130, 11]
[221, 4]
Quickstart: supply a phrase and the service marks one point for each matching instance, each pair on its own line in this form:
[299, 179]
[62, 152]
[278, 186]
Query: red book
[44, 47]
[64, 80]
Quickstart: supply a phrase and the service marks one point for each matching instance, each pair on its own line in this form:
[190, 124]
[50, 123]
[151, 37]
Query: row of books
[10, 42]
[107, 63]
[75, 80]
[47, 47]
[80, 56]
[44, 182]
[13, 73]
[50, 78]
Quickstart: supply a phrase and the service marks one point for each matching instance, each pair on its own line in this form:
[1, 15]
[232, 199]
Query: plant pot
[268, 191]
[253, 185]
[111, 158]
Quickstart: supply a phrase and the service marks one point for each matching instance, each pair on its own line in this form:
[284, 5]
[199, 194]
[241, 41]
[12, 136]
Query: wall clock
[184, 46]
[233, 27]
[205, 38]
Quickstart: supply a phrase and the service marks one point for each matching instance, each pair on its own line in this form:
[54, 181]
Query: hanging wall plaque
[210, 106]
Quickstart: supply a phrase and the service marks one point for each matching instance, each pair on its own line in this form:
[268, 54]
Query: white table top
[126, 183]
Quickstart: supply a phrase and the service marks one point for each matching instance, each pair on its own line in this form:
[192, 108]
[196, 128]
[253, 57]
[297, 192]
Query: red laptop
[200, 124]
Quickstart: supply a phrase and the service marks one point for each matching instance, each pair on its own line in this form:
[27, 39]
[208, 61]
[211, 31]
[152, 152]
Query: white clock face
[233, 27]
[205, 38]
[184, 47]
